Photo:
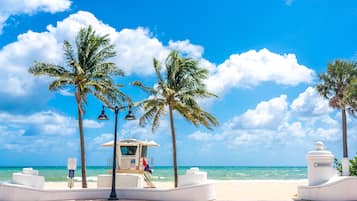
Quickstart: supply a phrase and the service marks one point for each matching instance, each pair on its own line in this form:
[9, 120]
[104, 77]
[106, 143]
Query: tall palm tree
[333, 86]
[177, 90]
[87, 72]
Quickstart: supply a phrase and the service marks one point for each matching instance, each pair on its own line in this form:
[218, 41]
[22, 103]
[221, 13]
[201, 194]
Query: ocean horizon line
[167, 166]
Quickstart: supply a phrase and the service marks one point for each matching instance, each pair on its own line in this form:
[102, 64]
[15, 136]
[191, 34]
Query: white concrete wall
[121, 180]
[28, 180]
[337, 189]
[13, 192]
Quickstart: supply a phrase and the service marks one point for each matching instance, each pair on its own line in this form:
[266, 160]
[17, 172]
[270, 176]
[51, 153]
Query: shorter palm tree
[177, 90]
[334, 85]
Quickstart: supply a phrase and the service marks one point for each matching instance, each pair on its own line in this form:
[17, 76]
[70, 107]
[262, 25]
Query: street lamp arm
[120, 107]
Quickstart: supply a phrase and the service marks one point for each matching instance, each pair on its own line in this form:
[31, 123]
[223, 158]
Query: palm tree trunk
[173, 137]
[81, 139]
[83, 155]
[344, 133]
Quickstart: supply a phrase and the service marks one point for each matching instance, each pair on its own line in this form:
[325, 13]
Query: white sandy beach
[231, 190]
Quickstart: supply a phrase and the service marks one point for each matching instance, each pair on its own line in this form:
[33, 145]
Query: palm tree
[87, 72]
[333, 86]
[177, 90]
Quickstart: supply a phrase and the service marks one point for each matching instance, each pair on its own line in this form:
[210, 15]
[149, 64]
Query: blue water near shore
[162, 173]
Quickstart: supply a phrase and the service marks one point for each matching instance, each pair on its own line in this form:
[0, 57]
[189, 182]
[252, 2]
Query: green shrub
[353, 166]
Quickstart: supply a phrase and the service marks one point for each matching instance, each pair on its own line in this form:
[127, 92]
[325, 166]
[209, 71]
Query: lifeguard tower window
[144, 151]
[128, 150]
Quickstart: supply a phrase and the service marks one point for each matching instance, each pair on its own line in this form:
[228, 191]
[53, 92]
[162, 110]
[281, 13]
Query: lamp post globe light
[103, 116]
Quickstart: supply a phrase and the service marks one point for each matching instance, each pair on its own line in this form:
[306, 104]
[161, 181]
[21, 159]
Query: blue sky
[263, 58]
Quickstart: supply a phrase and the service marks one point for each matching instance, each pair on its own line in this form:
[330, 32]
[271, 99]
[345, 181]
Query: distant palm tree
[177, 89]
[333, 86]
[87, 72]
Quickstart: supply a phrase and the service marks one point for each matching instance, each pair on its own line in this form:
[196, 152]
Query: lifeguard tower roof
[131, 142]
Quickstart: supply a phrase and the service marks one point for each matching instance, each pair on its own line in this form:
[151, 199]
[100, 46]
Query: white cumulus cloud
[310, 103]
[40, 131]
[103, 138]
[43, 123]
[267, 114]
[130, 129]
[15, 58]
[87, 123]
[254, 67]
[135, 51]
[69, 27]
[194, 51]
[274, 122]
[203, 136]
[16, 7]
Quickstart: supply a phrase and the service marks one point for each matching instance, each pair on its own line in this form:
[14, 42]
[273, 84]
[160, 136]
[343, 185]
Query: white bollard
[320, 165]
[71, 166]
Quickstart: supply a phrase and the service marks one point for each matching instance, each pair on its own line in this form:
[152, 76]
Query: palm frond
[156, 119]
[69, 54]
[149, 113]
[146, 89]
[157, 68]
[59, 84]
[51, 70]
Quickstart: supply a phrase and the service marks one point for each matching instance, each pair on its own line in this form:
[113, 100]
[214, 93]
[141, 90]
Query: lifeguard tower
[132, 163]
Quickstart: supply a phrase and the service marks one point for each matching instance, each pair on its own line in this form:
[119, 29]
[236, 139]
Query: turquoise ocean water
[162, 173]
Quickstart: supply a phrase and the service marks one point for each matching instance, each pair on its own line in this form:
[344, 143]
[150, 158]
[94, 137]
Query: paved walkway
[106, 200]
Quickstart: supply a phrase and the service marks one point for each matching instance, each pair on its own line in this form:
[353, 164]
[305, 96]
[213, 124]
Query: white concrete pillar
[320, 165]
[193, 176]
[345, 167]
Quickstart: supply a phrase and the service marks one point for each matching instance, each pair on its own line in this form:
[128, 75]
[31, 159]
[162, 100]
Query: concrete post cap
[319, 146]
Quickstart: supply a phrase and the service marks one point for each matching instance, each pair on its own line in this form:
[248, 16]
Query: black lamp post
[103, 116]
